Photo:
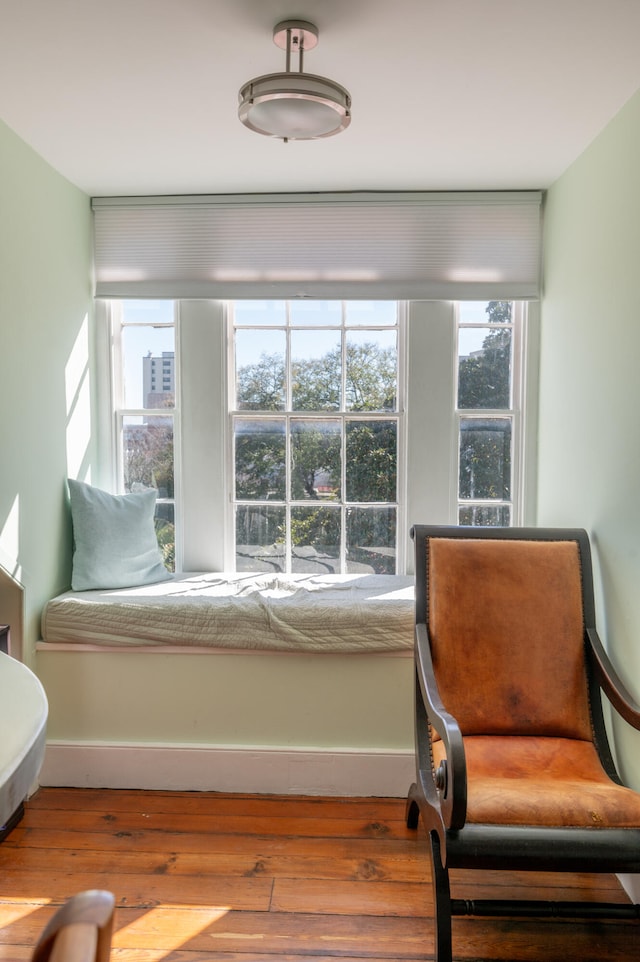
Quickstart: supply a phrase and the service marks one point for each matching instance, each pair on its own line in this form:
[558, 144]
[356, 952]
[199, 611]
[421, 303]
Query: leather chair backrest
[507, 638]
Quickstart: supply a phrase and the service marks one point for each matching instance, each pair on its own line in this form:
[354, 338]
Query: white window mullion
[402, 523]
[288, 547]
[177, 442]
[518, 465]
[343, 444]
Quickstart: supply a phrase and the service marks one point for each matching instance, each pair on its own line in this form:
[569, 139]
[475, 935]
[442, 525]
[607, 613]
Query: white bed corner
[23, 720]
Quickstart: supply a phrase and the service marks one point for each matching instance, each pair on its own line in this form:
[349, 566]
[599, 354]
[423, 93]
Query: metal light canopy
[294, 105]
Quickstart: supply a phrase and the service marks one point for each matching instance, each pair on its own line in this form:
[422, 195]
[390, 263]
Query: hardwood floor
[235, 878]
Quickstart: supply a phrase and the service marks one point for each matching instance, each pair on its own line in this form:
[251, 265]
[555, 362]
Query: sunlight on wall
[78, 395]
[10, 541]
[12, 607]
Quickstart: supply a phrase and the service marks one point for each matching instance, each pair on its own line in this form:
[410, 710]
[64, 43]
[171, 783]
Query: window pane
[260, 370]
[260, 459]
[315, 460]
[485, 458]
[262, 313]
[371, 540]
[315, 313]
[484, 367]
[166, 532]
[315, 539]
[316, 363]
[372, 366]
[371, 460]
[488, 516]
[144, 351]
[147, 312]
[147, 454]
[260, 538]
[371, 313]
[483, 312]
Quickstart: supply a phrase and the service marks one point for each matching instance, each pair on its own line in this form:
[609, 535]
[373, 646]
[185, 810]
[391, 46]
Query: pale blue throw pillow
[115, 544]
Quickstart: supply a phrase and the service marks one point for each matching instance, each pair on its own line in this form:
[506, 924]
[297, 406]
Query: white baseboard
[281, 771]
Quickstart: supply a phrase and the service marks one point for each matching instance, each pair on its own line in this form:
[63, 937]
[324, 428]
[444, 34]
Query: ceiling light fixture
[294, 105]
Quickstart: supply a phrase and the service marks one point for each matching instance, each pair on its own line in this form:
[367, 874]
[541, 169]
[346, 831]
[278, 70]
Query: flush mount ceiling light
[294, 105]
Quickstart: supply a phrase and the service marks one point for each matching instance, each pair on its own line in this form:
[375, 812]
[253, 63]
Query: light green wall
[45, 300]
[589, 455]
[589, 461]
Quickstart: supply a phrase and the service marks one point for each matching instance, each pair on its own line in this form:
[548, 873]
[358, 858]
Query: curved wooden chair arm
[80, 930]
[611, 683]
[450, 778]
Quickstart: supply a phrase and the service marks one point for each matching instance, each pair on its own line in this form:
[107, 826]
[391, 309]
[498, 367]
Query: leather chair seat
[539, 781]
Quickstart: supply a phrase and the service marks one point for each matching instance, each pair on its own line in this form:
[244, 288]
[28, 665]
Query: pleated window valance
[436, 246]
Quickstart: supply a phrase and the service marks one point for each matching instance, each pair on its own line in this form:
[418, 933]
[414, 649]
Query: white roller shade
[436, 246]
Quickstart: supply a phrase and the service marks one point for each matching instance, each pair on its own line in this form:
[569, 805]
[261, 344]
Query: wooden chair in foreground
[80, 931]
[513, 767]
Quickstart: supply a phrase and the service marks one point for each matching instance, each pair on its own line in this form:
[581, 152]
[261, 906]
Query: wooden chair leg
[441, 902]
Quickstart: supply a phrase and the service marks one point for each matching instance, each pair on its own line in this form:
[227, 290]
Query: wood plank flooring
[236, 878]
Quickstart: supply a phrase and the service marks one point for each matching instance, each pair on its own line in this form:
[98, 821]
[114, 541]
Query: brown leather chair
[80, 930]
[513, 767]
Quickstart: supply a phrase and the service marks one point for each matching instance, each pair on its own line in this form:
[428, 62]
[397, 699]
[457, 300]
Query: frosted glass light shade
[294, 106]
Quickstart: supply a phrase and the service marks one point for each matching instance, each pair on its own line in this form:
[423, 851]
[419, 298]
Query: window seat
[241, 611]
[23, 719]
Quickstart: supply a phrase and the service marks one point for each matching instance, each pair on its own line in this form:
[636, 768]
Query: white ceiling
[140, 96]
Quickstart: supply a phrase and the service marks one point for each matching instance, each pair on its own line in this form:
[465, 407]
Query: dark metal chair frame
[440, 797]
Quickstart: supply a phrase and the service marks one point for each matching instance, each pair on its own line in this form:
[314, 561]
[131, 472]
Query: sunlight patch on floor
[12, 910]
[169, 925]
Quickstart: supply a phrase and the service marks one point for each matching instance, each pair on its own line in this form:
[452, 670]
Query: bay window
[309, 435]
